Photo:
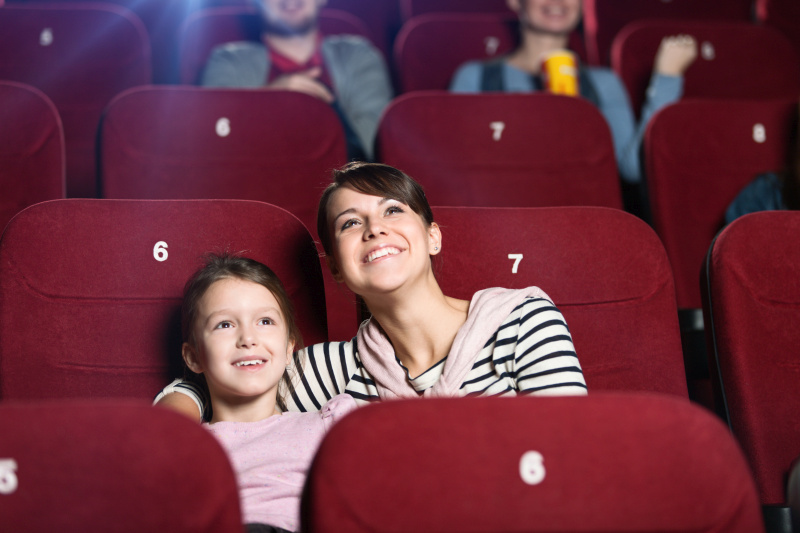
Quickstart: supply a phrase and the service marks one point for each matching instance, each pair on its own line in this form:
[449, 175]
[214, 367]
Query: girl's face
[241, 341]
[548, 16]
[379, 244]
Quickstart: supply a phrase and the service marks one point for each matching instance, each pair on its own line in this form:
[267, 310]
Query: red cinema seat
[699, 154]
[31, 149]
[430, 48]
[107, 277]
[783, 15]
[502, 150]
[603, 19]
[605, 270]
[735, 60]
[605, 462]
[80, 56]
[207, 28]
[753, 268]
[380, 16]
[413, 8]
[117, 466]
[189, 142]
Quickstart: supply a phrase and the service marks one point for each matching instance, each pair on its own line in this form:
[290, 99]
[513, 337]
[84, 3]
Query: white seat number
[531, 468]
[497, 129]
[517, 258]
[46, 37]
[8, 476]
[160, 251]
[759, 133]
[223, 127]
[492, 44]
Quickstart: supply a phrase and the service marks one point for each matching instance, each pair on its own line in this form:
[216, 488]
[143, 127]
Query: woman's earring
[436, 248]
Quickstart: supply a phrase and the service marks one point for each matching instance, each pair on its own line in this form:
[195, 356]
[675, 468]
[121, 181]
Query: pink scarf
[488, 309]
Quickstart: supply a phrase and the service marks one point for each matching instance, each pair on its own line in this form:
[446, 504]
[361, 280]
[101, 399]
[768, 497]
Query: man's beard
[282, 29]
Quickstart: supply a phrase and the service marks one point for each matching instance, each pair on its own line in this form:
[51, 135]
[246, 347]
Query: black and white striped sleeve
[545, 362]
[326, 370]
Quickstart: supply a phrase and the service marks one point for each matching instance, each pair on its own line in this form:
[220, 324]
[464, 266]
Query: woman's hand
[675, 54]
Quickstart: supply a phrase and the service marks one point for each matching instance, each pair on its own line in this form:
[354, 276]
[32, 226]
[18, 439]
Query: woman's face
[548, 16]
[379, 244]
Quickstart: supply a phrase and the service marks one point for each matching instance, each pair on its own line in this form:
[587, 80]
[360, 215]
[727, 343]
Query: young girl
[239, 335]
[378, 232]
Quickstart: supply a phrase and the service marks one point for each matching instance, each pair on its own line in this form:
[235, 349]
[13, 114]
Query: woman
[378, 232]
[545, 26]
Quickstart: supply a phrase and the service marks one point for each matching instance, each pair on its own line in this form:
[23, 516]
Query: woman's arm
[183, 397]
[545, 360]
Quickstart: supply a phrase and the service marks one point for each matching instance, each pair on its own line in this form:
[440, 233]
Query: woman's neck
[243, 409]
[298, 48]
[528, 56]
[421, 324]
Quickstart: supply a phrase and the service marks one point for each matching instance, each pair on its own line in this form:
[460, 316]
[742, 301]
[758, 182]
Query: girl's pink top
[271, 459]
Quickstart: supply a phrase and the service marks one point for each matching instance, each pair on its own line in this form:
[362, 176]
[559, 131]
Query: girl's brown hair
[230, 266]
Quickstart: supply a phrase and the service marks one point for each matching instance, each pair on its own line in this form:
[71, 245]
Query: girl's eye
[266, 322]
[223, 325]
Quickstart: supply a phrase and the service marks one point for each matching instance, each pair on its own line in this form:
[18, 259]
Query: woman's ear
[189, 354]
[331, 262]
[434, 239]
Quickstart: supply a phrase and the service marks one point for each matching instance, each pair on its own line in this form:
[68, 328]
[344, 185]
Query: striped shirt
[530, 353]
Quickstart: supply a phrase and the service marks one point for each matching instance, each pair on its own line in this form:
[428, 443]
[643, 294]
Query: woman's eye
[349, 223]
[391, 210]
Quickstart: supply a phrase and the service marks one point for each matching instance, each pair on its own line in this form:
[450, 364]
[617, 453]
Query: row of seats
[603, 19]
[83, 57]
[117, 267]
[606, 462]
[509, 151]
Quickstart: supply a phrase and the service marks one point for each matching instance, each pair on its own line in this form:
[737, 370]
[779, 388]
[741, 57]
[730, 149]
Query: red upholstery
[31, 149]
[104, 308]
[380, 16]
[602, 19]
[112, 466]
[413, 8]
[736, 60]
[80, 56]
[605, 270]
[754, 300]
[188, 142]
[207, 28]
[509, 150]
[699, 155]
[430, 48]
[783, 15]
[605, 462]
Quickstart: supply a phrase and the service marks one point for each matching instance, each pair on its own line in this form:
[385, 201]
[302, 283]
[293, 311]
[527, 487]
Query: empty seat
[413, 8]
[699, 155]
[207, 28]
[783, 15]
[430, 48]
[188, 142]
[509, 150]
[605, 462]
[605, 270]
[602, 19]
[100, 282]
[31, 149]
[80, 56]
[111, 466]
[735, 60]
[753, 269]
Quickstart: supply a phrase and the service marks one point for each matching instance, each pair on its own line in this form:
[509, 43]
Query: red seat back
[107, 277]
[783, 15]
[508, 150]
[605, 270]
[605, 462]
[413, 8]
[112, 466]
[207, 28]
[603, 19]
[735, 60]
[80, 56]
[699, 155]
[754, 298]
[31, 149]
